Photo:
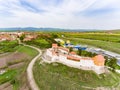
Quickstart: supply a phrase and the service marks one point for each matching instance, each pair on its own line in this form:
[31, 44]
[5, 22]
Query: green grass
[61, 77]
[27, 50]
[8, 46]
[7, 76]
[97, 36]
[104, 40]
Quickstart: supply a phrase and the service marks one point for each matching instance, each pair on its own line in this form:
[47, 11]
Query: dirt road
[30, 76]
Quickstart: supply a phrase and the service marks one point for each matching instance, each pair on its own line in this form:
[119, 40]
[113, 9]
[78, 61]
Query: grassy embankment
[61, 77]
[17, 76]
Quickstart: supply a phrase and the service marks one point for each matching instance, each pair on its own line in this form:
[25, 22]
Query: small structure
[29, 37]
[73, 53]
[99, 60]
[54, 46]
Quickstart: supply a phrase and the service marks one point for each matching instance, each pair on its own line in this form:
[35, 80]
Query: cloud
[98, 14]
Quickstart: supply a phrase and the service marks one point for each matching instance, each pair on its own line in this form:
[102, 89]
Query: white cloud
[62, 14]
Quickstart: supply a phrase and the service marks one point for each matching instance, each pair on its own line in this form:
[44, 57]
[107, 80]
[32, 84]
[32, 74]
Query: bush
[112, 62]
[22, 37]
[87, 54]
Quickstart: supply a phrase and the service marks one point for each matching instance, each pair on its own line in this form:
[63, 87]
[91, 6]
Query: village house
[9, 36]
[5, 37]
[29, 37]
[62, 55]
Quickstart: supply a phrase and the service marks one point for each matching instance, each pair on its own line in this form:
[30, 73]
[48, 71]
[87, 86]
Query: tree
[112, 62]
[70, 49]
[22, 37]
[54, 35]
[79, 51]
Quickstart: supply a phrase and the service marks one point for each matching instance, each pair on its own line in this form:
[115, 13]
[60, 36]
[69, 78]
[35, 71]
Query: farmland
[97, 36]
[15, 59]
[15, 65]
[5, 46]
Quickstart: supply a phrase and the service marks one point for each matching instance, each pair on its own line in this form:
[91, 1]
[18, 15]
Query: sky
[67, 14]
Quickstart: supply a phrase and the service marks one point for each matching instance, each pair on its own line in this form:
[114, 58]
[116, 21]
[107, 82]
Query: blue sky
[72, 14]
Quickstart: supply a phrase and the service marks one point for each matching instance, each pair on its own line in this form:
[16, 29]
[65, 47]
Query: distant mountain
[44, 29]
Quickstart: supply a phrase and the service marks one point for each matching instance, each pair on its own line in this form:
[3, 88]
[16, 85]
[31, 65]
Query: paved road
[30, 76]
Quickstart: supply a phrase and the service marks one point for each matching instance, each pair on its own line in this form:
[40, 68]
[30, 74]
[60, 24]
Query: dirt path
[30, 76]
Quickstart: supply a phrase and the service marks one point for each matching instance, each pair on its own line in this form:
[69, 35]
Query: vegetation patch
[27, 50]
[42, 41]
[7, 76]
[20, 80]
[8, 46]
[17, 76]
[52, 77]
[112, 63]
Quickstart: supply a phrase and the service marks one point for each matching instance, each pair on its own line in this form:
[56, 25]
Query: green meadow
[58, 76]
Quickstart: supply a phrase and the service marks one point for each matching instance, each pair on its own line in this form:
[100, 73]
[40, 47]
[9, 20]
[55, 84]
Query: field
[60, 77]
[8, 46]
[27, 50]
[110, 42]
[97, 36]
[15, 66]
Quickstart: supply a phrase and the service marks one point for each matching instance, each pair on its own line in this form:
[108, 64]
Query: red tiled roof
[66, 49]
[74, 53]
[99, 60]
[54, 45]
[73, 58]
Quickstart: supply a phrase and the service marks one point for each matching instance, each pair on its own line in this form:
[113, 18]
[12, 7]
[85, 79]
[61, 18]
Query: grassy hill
[60, 77]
